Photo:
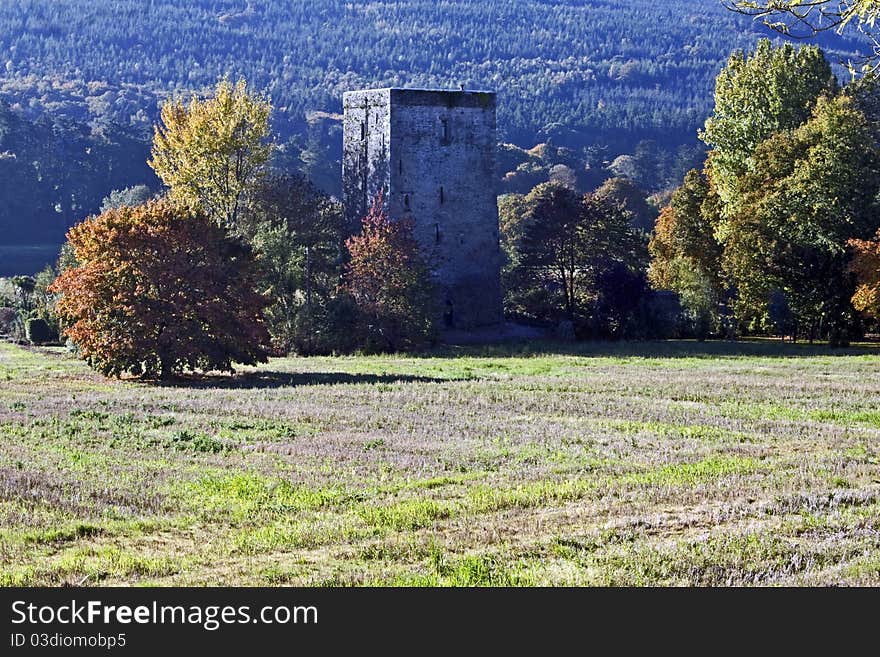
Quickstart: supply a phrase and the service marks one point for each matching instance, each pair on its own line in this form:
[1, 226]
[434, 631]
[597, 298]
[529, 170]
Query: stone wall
[366, 138]
[434, 154]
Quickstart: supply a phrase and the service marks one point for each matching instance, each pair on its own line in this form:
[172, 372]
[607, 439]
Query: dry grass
[667, 464]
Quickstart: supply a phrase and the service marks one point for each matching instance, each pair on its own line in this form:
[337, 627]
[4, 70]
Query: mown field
[654, 464]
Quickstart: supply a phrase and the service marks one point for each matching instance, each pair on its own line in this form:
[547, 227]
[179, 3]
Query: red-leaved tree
[390, 283]
[159, 290]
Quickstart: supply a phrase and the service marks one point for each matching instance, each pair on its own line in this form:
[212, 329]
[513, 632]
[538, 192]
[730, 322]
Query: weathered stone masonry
[433, 153]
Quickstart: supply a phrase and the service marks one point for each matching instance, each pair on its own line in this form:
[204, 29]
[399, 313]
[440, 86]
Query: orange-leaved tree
[390, 283]
[866, 266]
[159, 290]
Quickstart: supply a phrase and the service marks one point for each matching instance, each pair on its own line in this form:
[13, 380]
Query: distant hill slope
[54, 173]
[83, 80]
[573, 68]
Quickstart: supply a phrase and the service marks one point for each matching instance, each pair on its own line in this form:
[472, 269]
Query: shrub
[8, 320]
[38, 331]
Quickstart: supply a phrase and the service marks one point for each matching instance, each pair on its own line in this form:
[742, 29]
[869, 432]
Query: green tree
[810, 192]
[44, 301]
[631, 198]
[23, 293]
[551, 248]
[210, 152]
[131, 196]
[566, 242]
[757, 95]
[297, 233]
[511, 211]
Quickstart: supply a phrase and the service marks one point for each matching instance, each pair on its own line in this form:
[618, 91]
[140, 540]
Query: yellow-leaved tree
[210, 151]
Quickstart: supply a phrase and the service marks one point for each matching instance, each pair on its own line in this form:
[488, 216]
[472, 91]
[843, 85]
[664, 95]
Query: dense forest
[82, 83]
[582, 66]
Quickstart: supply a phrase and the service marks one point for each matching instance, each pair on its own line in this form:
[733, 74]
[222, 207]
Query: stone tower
[433, 154]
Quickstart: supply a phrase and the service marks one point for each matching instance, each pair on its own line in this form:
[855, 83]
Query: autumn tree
[686, 256]
[158, 290]
[390, 283]
[210, 152]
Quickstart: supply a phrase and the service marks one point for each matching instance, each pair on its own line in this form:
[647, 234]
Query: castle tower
[433, 152]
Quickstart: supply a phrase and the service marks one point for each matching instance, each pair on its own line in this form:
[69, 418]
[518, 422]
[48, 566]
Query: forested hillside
[54, 171]
[83, 80]
[584, 65]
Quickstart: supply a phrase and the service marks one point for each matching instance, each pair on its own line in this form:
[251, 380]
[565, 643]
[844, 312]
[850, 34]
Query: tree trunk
[309, 278]
[164, 367]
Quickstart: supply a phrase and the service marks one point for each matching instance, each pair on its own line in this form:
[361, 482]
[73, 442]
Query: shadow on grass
[748, 348]
[272, 379]
[669, 349]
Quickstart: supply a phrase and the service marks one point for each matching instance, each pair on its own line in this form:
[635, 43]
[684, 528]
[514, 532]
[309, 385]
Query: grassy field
[668, 464]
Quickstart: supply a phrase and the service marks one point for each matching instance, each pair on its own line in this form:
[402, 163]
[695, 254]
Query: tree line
[776, 233]
[772, 234]
[588, 66]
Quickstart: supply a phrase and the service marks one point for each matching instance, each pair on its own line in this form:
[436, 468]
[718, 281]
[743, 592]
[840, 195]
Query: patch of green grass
[440, 482]
[91, 565]
[407, 515]
[471, 570]
[864, 569]
[715, 560]
[847, 417]
[476, 570]
[792, 413]
[489, 499]
[239, 429]
[99, 563]
[276, 576]
[285, 534]
[245, 495]
[689, 474]
[61, 534]
[699, 432]
[197, 442]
